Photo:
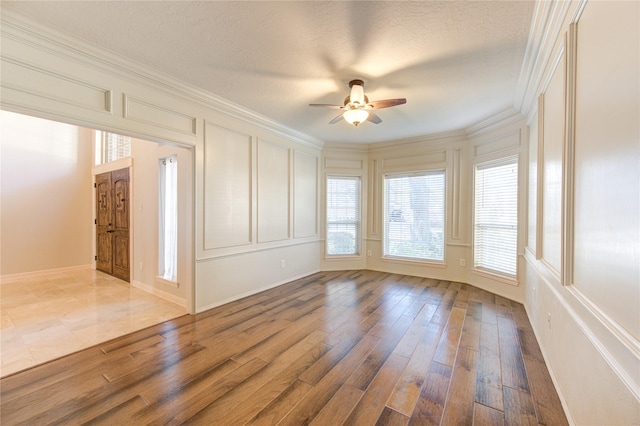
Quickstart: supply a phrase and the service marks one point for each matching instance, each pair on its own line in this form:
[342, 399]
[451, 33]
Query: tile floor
[48, 316]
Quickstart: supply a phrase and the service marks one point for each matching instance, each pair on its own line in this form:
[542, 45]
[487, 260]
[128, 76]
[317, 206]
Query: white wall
[582, 265]
[46, 195]
[260, 224]
[243, 162]
[144, 268]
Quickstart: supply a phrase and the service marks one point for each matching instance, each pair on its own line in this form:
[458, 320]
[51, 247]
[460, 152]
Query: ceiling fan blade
[387, 103]
[335, 120]
[374, 118]
[327, 106]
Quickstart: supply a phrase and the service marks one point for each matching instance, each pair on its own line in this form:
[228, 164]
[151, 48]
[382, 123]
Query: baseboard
[252, 292]
[160, 293]
[554, 379]
[6, 279]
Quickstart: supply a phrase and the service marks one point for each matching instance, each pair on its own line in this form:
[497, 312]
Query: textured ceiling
[457, 63]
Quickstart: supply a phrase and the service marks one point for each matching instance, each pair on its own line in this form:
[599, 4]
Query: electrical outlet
[369, 253]
[463, 262]
[549, 319]
[283, 263]
[141, 267]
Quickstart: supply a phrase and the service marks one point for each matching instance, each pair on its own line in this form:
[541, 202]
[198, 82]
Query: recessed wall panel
[532, 190]
[607, 161]
[227, 188]
[21, 77]
[504, 143]
[273, 192]
[415, 160]
[305, 183]
[552, 140]
[160, 116]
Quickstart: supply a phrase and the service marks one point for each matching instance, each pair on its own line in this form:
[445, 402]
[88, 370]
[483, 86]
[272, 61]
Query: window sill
[335, 257]
[417, 262]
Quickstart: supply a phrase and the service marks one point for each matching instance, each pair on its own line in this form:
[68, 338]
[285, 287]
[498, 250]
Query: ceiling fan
[357, 107]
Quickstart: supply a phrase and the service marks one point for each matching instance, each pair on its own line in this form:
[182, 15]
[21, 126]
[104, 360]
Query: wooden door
[112, 223]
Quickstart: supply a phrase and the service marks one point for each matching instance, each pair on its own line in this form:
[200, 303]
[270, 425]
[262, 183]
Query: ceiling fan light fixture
[355, 116]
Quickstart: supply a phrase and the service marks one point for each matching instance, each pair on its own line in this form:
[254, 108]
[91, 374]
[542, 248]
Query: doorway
[112, 223]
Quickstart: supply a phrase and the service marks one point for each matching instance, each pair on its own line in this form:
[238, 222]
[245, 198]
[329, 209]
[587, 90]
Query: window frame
[442, 171]
[483, 270]
[357, 223]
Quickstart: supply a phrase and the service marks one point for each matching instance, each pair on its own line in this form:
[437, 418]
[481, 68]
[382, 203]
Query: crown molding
[495, 122]
[20, 28]
[346, 147]
[432, 139]
[548, 20]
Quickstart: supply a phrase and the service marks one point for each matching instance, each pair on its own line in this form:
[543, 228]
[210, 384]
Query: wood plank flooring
[352, 347]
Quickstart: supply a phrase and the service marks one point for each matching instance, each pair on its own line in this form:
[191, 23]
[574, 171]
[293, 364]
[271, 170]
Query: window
[168, 219]
[343, 216]
[414, 215]
[110, 147]
[495, 232]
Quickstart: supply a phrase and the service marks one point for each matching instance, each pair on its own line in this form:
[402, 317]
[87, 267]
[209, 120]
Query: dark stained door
[112, 223]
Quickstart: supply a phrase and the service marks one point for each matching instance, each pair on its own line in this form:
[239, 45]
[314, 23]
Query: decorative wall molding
[547, 256]
[54, 86]
[540, 168]
[374, 190]
[420, 160]
[273, 158]
[221, 143]
[568, 166]
[545, 32]
[443, 138]
[17, 27]
[502, 143]
[300, 192]
[343, 163]
[158, 116]
[602, 332]
[456, 195]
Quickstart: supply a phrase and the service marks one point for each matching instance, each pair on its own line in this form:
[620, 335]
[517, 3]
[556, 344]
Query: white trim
[552, 374]
[495, 122]
[20, 28]
[160, 293]
[9, 278]
[622, 338]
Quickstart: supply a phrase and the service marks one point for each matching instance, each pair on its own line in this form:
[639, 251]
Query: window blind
[414, 215]
[168, 218]
[111, 147]
[495, 236]
[343, 215]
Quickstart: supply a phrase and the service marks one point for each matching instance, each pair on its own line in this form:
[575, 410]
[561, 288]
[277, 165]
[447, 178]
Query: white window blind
[111, 147]
[495, 237]
[414, 215]
[343, 215]
[168, 218]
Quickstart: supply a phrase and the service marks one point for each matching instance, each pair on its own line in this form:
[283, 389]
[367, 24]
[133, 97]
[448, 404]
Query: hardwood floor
[355, 348]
